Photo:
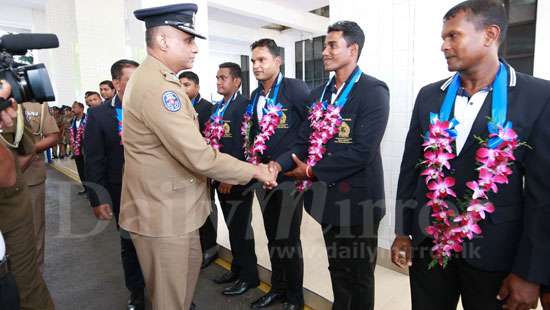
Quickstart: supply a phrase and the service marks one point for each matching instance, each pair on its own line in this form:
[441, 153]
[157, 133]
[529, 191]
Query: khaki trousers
[38, 200]
[17, 227]
[171, 267]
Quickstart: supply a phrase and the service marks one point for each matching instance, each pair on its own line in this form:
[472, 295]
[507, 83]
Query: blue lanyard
[343, 98]
[499, 103]
[196, 100]
[499, 107]
[252, 106]
[222, 107]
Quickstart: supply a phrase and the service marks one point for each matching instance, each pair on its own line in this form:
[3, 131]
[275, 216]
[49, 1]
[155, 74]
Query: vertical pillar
[101, 40]
[64, 64]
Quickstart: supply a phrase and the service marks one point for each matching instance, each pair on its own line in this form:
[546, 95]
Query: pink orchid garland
[268, 124]
[214, 131]
[76, 142]
[325, 125]
[449, 229]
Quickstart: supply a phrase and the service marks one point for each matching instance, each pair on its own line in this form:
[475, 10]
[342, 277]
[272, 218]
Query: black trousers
[209, 230]
[81, 168]
[282, 214]
[9, 296]
[440, 289]
[133, 276]
[352, 255]
[237, 211]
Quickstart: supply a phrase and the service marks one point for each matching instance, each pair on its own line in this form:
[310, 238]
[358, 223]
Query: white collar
[511, 83]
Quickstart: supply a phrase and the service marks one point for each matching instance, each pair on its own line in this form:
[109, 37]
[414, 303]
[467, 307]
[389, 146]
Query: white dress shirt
[465, 112]
[2, 247]
[260, 106]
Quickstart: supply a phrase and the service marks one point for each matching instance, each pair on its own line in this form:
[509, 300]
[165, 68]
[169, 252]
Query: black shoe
[268, 299]
[208, 258]
[193, 306]
[137, 300]
[289, 306]
[227, 277]
[239, 288]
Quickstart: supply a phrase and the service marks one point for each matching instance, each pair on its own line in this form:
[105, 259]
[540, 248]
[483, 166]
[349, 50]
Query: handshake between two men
[267, 174]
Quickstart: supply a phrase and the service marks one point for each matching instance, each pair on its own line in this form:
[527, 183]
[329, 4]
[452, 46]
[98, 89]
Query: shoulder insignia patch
[171, 101]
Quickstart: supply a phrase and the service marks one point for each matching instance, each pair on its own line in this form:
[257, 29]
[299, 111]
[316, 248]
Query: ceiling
[302, 6]
[32, 4]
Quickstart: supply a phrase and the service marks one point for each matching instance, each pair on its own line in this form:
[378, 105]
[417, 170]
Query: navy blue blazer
[293, 96]
[104, 154]
[349, 185]
[516, 237]
[204, 108]
[232, 141]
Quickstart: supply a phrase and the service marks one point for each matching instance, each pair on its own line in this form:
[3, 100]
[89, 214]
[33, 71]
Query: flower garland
[213, 132]
[271, 118]
[325, 122]
[494, 157]
[268, 124]
[213, 129]
[76, 142]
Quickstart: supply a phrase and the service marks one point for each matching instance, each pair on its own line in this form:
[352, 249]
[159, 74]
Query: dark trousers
[209, 230]
[351, 255]
[9, 297]
[133, 276]
[79, 160]
[237, 211]
[282, 214]
[440, 289]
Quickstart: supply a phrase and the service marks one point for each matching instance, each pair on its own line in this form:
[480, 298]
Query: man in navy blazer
[104, 165]
[235, 200]
[347, 191]
[507, 263]
[281, 209]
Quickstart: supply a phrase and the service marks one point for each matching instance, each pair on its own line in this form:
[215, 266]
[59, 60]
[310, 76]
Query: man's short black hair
[80, 104]
[190, 75]
[269, 43]
[352, 33]
[108, 83]
[91, 93]
[483, 13]
[118, 66]
[234, 69]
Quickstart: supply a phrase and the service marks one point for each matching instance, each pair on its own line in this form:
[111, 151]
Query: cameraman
[16, 225]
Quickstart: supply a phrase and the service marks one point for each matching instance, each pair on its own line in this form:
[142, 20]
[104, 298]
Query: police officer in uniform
[165, 196]
[208, 232]
[45, 134]
[16, 218]
[236, 201]
[104, 159]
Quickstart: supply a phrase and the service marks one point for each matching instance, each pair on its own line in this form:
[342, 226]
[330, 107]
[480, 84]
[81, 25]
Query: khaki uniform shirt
[167, 161]
[14, 201]
[38, 125]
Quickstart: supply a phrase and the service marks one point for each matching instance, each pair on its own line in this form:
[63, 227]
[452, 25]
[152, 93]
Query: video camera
[28, 82]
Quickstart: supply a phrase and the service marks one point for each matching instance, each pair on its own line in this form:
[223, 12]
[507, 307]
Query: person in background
[92, 99]
[45, 134]
[107, 90]
[104, 158]
[77, 128]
